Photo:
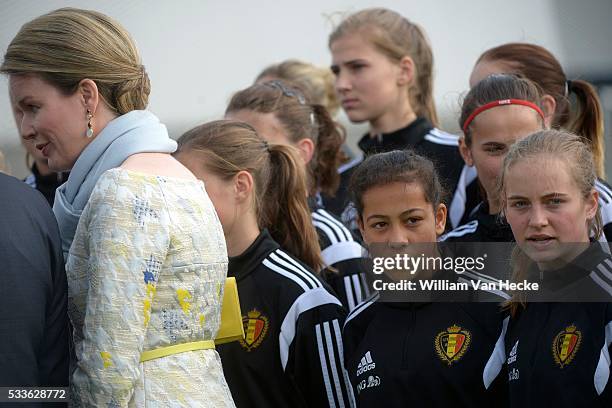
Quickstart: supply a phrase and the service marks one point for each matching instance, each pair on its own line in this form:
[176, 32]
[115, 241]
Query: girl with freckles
[557, 353]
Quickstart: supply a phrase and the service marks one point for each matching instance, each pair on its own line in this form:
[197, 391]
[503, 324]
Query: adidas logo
[512, 357]
[366, 364]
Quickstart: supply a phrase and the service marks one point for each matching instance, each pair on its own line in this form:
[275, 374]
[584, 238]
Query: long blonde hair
[575, 153]
[68, 45]
[396, 37]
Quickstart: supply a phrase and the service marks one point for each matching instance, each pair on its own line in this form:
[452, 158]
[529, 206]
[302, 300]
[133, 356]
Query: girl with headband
[496, 113]
[568, 104]
[491, 120]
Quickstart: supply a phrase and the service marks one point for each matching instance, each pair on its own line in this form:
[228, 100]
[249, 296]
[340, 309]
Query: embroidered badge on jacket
[452, 344]
[565, 345]
[255, 329]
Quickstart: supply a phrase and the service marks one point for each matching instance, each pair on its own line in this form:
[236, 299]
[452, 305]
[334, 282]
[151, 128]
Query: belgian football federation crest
[452, 344]
[565, 345]
[255, 329]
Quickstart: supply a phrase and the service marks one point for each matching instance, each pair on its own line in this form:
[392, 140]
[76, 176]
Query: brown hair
[316, 82]
[396, 166]
[301, 120]
[540, 66]
[396, 37]
[570, 149]
[68, 45]
[494, 88]
[228, 147]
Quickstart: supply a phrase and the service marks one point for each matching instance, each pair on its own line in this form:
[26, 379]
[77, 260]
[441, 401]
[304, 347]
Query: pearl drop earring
[90, 130]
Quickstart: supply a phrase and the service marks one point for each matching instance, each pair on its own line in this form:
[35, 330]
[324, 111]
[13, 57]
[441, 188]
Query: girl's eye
[495, 149]
[519, 204]
[555, 201]
[413, 221]
[33, 108]
[378, 225]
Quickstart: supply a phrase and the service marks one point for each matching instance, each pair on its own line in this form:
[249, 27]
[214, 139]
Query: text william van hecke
[447, 285]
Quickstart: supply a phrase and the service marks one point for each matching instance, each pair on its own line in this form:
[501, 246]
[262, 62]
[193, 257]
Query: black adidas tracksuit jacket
[420, 135]
[467, 196]
[481, 227]
[422, 354]
[343, 257]
[292, 354]
[558, 354]
[484, 234]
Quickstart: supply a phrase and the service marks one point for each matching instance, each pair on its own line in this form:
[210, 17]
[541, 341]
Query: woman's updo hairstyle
[68, 45]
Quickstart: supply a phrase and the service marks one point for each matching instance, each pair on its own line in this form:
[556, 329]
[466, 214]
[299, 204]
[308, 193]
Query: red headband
[500, 103]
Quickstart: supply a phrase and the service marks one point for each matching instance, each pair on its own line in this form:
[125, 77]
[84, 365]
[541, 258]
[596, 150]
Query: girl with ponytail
[282, 114]
[581, 115]
[584, 118]
[384, 76]
[259, 190]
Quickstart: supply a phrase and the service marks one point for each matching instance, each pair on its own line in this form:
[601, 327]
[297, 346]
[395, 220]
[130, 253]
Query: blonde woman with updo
[146, 257]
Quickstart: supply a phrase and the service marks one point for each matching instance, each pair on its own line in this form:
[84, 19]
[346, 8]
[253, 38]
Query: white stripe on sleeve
[324, 372]
[306, 301]
[341, 251]
[497, 359]
[602, 372]
[332, 363]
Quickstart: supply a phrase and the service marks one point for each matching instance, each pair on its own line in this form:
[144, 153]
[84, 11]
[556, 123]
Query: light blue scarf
[134, 132]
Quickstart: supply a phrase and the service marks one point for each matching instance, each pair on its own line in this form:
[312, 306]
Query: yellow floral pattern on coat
[143, 272]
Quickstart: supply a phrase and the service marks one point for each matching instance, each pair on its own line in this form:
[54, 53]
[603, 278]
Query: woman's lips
[541, 241]
[349, 103]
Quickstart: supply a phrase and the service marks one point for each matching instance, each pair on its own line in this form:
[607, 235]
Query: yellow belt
[231, 328]
[177, 348]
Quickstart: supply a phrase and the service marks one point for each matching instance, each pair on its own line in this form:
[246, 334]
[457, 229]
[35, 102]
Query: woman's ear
[465, 152]
[440, 219]
[306, 149]
[90, 95]
[243, 186]
[406, 72]
[549, 106]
